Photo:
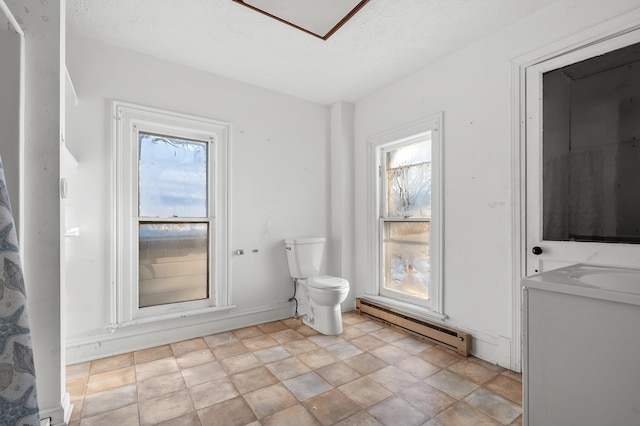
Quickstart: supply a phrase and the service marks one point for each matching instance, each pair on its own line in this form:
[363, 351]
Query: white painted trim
[607, 30]
[12, 19]
[58, 415]
[374, 143]
[144, 336]
[125, 117]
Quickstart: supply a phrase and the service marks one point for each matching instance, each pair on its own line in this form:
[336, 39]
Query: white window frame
[128, 121]
[378, 145]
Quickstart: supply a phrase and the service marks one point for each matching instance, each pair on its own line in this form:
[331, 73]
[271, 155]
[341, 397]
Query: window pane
[172, 177]
[173, 263]
[409, 181]
[406, 258]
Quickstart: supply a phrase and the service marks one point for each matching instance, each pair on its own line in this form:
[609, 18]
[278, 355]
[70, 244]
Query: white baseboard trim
[143, 336]
[58, 415]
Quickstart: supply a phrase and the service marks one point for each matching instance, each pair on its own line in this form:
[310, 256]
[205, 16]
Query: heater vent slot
[450, 338]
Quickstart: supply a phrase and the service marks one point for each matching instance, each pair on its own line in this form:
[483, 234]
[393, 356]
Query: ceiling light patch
[320, 18]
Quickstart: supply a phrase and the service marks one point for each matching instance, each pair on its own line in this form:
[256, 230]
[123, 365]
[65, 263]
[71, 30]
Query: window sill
[409, 308]
[170, 316]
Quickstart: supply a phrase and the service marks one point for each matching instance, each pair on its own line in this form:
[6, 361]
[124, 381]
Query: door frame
[607, 30]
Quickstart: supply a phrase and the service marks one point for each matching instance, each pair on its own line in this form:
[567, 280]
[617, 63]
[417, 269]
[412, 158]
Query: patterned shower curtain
[18, 400]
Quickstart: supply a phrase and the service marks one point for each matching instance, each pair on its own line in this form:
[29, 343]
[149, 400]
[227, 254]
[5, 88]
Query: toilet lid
[326, 281]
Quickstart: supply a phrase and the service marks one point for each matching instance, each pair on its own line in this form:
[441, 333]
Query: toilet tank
[305, 256]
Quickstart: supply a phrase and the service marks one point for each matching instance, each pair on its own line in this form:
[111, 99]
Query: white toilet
[323, 293]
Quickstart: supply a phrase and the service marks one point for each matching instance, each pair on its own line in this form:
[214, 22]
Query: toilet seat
[326, 282]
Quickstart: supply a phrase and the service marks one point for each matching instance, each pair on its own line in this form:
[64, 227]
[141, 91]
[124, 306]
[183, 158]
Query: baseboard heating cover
[450, 338]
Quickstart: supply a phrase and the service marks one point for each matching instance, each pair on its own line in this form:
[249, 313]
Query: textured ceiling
[383, 42]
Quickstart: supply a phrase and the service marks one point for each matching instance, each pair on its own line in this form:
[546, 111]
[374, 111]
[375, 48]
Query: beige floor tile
[344, 350]
[307, 385]
[331, 407]
[193, 359]
[109, 400]
[156, 368]
[352, 317]
[396, 411]
[451, 384]
[288, 368]
[350, 332]
[368, 342]
[76, 409]
[285, 336]
[390, 354]
[296, 415]
[485, 364]
[187, 346]
[307, 331]
[366, 363]
[389, 335]
[323, 341]
[513, 375]
[472, 371]
[393, 378]
[338, 374]
[365, 392]
[247, 332]
[440, 356]
[270, 400]
[238, 363]
[152, 354]
[293, 323]
[273, 327]
[361, 418]
[160, 385]
[259, 342]
[111, 363]
[272, 354]
[461, 414]
[494, 405]
[125, 416]
[77, 371]
[77, 387]
[213, 392]
[250, 380]
[166, 407]
[369, 326]
[517, 422]
[111, 379]
[427, 399]
[233, 412]
[214, 340]
[298, 347]
[203, 373]
[417, 367]
[412, 345]
[506, 387]
[189, 419]
[229, 349]
[318, 359]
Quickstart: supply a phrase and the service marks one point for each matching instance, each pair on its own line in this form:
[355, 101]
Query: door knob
[536, 250]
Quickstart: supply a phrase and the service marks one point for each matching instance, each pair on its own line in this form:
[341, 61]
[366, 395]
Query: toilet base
[324, 319]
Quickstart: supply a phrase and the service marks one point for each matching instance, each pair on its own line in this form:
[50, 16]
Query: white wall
[10, 114]
[279, 188]
[473, 88]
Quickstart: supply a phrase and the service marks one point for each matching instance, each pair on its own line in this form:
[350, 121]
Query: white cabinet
[582, 347]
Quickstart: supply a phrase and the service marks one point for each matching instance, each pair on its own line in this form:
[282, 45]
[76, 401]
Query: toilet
[323, 293]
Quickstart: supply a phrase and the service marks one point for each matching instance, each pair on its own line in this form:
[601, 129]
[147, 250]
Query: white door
[580, 170]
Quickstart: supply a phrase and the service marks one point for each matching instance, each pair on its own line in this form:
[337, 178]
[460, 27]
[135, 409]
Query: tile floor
[284, 373]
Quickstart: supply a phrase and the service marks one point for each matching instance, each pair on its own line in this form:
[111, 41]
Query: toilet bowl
[323, 293]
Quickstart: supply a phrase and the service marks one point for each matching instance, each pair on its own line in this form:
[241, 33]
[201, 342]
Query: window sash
[129, 121]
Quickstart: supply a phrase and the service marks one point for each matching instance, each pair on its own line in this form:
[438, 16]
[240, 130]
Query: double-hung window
[408, 205]
[171, 215]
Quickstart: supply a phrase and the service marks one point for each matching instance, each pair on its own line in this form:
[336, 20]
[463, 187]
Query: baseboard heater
[450, 338]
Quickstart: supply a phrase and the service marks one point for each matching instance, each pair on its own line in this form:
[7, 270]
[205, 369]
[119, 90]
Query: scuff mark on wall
[496, 204]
